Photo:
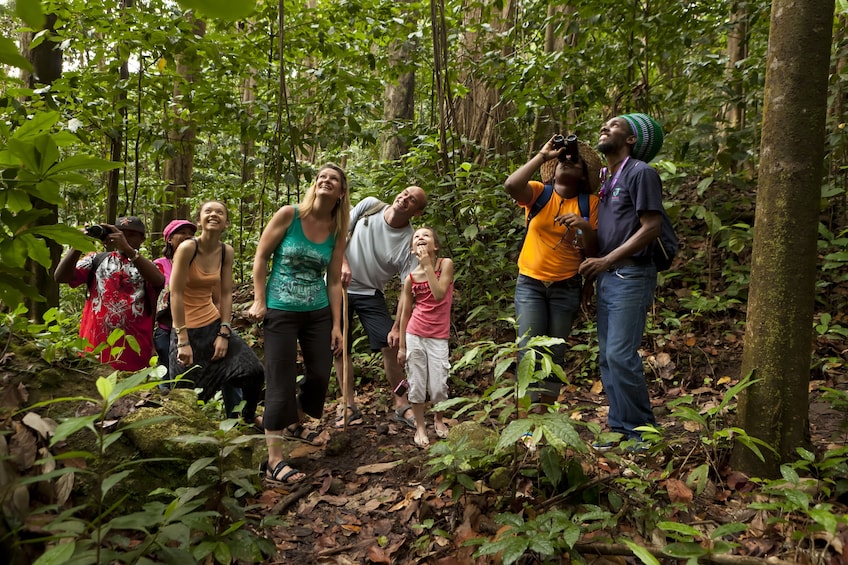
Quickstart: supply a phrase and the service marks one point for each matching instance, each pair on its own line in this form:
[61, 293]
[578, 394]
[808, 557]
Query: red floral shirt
[119, 297]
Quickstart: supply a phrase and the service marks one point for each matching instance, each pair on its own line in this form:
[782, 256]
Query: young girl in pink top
[424, 330]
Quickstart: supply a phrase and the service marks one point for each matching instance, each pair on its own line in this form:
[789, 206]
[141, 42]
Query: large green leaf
[83, 162]
[57, 555]
[65, 235]
[223, 9]
[35, 125]
[9, 55]
[30, 12]
[48, 152]
[37, 249]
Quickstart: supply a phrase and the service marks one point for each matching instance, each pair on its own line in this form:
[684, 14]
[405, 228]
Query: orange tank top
[200, 311]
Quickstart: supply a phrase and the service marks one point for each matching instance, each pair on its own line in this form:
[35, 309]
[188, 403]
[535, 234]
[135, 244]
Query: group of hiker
[317, 260]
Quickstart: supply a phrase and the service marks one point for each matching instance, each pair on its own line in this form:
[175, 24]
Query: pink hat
[174, 225]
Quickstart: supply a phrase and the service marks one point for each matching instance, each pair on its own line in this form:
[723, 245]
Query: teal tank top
[296, 282]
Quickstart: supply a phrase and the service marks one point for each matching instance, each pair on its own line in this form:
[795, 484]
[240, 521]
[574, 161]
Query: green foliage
[714, 438]
[225, 9]
[33, 169]
[544, 536]
[204, 522]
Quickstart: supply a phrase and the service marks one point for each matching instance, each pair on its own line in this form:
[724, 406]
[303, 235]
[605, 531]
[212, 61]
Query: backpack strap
[223, 256]
[95, 263]
[583, 204]
[540, 203]
[376, 207]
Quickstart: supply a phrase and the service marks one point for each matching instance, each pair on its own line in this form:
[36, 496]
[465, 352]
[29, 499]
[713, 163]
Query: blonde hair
[341, 211]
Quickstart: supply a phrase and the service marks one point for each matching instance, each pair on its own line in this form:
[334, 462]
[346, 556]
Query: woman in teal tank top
[304, 243]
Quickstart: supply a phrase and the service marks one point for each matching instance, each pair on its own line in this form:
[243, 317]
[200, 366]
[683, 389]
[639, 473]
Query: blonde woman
[304, 243]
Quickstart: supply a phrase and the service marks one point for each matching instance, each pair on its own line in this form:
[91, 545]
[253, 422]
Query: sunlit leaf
[223, 9]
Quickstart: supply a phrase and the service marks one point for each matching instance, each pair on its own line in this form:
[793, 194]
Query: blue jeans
[624, 296]
[549, 311]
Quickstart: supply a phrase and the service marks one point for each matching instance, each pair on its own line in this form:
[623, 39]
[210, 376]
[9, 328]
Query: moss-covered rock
[477, 435]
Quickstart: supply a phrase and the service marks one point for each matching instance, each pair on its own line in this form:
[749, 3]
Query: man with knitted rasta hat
[559, 235]
[629, 222]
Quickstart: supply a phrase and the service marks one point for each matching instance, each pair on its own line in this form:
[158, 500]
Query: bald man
[378, 249]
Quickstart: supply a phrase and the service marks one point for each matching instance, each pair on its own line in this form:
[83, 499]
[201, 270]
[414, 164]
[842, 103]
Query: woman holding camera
[561, 220]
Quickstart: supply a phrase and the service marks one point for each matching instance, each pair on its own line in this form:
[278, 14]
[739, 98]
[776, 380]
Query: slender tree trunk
[182, 135]
[778, 334]
[249, 218]
[116, 147]
[46, 59]
[737, 51]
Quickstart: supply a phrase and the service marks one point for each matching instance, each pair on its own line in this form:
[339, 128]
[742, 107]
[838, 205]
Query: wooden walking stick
[345, 359]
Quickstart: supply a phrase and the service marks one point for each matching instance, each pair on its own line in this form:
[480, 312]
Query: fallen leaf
[22, 447]
[377, 467]
[597, 387]
[44, 426]
[64, 486]
[691, 426]
[377, 555]
[678, 491]
[413, 494]
[663, 359]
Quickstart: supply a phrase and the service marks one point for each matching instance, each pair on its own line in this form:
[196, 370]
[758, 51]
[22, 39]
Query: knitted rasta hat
[593, 163]
[649, 135]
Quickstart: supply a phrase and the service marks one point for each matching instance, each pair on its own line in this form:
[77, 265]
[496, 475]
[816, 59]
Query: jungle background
[149, 108]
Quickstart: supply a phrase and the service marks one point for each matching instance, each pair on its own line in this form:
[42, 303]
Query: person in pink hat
[176, 232]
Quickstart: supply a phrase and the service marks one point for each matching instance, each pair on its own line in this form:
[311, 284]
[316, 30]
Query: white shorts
[427, 368]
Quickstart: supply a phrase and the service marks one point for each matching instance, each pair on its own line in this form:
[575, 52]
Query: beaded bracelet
[225, 336]
[183, 344]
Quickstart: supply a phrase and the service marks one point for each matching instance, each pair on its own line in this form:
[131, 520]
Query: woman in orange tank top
[204, 347]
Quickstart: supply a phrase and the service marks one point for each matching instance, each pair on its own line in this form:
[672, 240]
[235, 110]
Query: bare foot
[421, 439]
[441, 429]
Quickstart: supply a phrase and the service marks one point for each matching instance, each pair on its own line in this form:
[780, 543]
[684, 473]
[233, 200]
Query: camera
[569, 145]
[98, 231]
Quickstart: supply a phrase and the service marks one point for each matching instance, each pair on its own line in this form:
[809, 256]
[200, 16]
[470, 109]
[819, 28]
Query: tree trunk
[737, 50]
[840, 97]
[482, 109]
[399, 100]
[182, 135]
[778, 334]
[46, 59]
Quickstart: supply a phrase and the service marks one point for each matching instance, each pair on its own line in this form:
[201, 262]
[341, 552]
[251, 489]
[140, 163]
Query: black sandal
[274, 476]
[354, 419]
[256, 425]
[300, 433]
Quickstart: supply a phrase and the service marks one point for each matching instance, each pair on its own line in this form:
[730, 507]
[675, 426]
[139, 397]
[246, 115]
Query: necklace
[565, 233]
